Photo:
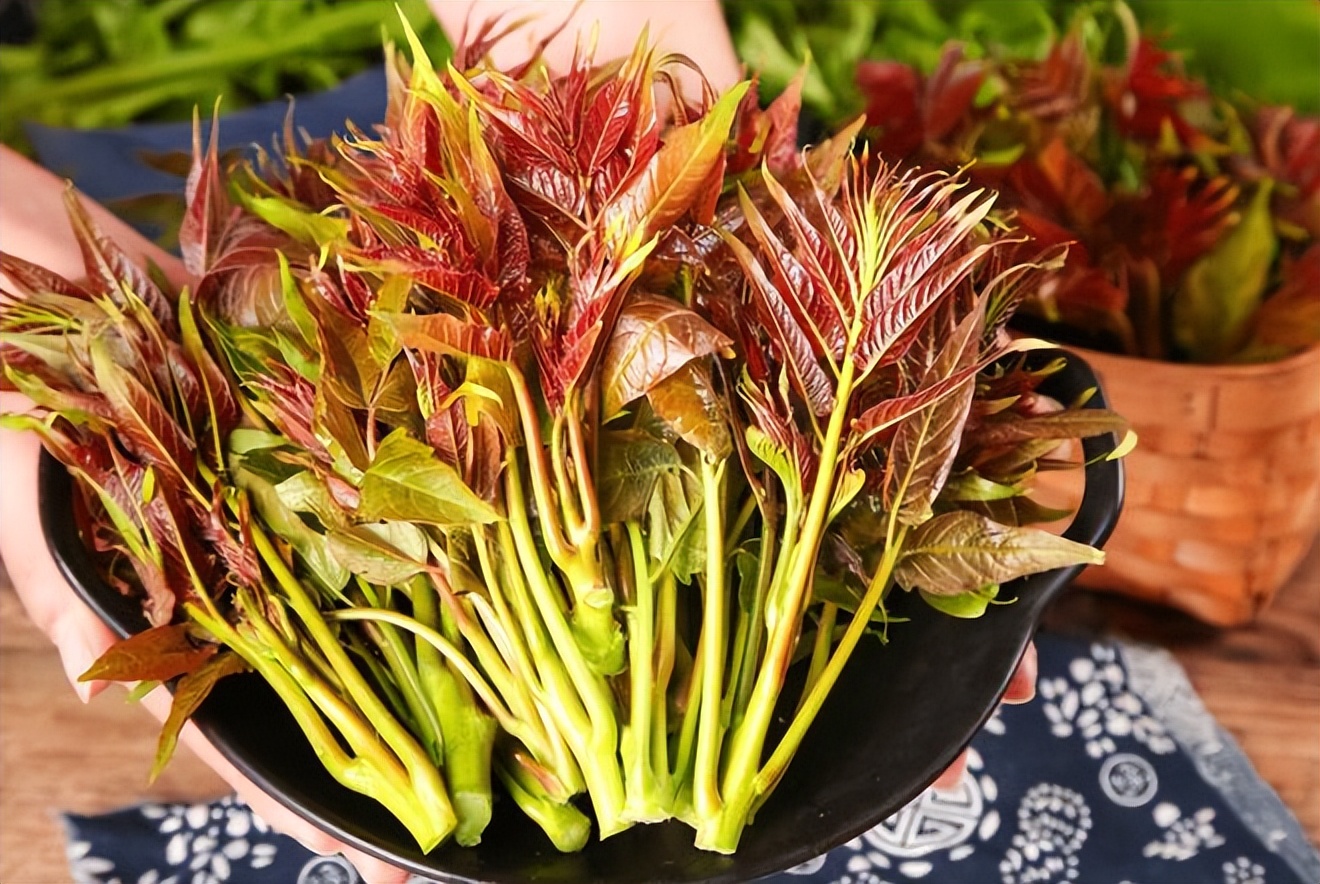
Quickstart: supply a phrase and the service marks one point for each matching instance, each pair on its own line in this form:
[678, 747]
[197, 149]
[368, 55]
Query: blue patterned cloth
[1116, 774]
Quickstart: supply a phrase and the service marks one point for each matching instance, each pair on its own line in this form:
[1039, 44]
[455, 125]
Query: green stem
[644, 786]
[777, 763]
[666, 636]
[375, 771]
[573, 522]
[566, 826]
[266, 659]
[594, 626]
[687, 729]
[468, 732]
[380, 673]
[561, 708]
[739, 524]
[516, 633]
[820, 650]
[513, 691]
[406, 678]
[710, 730]
[752, 624]
[426, 780]
[542, 489]
[586, 488]
[598, 755]
[783, 623]
[452, 654]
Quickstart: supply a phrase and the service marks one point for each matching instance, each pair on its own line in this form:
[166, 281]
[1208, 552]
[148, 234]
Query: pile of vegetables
[524, 443]
[116, 62]
[1193, 213]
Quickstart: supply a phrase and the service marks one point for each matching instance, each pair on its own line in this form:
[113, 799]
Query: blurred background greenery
[107, 63]
[1268, 50]
[112, 62]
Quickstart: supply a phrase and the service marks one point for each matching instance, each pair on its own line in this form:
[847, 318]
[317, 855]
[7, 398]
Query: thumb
[81, 638]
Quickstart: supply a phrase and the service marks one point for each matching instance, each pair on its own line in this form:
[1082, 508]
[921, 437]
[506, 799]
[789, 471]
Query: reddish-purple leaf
[925, 444]
[653, 338]
[209, 210]
[237, 553]
[888, 412]
[110, 270]
[926, 270]
[816, 305]
[948, 92]
[674, 178]
[32, 279]
[810, 380]
[189, 693]
[442, 333]
[434, 270]
[781, 137]
[144, 425]
[156, 654]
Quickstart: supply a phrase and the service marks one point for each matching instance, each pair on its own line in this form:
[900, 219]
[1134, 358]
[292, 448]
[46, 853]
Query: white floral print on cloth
[1184, 836]
[1097, 782]
[1093, 701]
[1053, 824]
[203, 843]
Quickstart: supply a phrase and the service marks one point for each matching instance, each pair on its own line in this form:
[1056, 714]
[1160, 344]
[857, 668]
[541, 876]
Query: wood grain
[1262, 682]
[58, 755]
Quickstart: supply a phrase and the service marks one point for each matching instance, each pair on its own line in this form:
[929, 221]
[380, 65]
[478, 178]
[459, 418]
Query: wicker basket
[1223, 495]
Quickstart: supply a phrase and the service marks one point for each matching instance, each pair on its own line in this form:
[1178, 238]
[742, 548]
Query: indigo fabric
[1115, 774]
[124, 168]
[115, 164]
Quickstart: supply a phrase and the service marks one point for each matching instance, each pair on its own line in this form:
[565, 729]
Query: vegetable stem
[468, 732]
[645, 786]
[820, 649]
[783, 623]
[426, 780]
[710, 730]
[594, 746]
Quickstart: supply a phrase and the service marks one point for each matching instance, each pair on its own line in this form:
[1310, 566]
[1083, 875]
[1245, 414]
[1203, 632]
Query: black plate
[898, 716]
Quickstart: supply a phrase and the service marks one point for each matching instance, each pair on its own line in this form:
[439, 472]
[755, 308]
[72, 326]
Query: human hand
[1021, 689]
[695, 28]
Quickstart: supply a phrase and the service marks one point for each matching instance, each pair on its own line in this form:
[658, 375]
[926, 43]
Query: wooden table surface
[1262, 683]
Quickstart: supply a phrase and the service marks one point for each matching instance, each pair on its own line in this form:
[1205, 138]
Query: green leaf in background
[1267, 49]
[1219, 296]
[1271, 54]
[406, 482]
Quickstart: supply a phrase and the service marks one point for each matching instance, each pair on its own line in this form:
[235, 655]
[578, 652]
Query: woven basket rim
[1243, 370]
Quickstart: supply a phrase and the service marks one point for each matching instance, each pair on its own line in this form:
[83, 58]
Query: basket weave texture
[1223, 493]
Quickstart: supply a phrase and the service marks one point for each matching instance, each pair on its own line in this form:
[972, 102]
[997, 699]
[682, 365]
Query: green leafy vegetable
[528, 442]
